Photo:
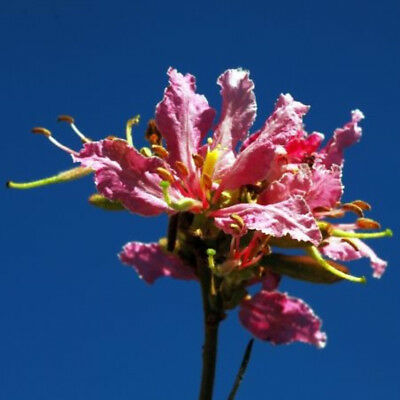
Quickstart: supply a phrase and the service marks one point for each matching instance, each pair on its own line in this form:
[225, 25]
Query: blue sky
[75, 323]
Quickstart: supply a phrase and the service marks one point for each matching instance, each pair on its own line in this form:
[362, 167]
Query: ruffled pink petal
[284, 124]
[320, 187]
[251, 165]
[281, 319]
[239, 108]
[343, 138]
[300, 147]
[291, 217]
[183, 118]
[151, 262]
[123, 174]
[326, 187]
[337, 249]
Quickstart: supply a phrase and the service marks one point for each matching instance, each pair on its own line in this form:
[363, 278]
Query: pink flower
[246, 195]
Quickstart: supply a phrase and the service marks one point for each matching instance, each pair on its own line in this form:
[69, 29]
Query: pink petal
[291, 217]
[326, 187]
[343, 138]
[337, 249]
[284, 124]
[251, 165]
[320, 187]
[151, 262]
[238, 108]
[183, 118]
[123, 174]
[281, 319]
[300, 147]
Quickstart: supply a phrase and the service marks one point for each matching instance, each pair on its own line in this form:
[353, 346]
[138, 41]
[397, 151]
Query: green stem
[213, 315]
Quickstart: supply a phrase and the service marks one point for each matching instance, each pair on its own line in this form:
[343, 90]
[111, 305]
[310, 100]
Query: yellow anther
[165, 175]
[160, 151]
[238, 219]
[182, 169]
[145, 151]
[209, 141]
[236, 228]
[100, 201]
[366, 223]
[41, 131]
[65, 118]
[198, 160]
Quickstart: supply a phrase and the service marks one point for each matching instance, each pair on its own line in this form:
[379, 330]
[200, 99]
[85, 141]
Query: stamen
[206, 181]
[146, 152]
[164, 187]
[362, 204]
[238, 219]
[70, 120]
[357, 235]
[65, 176]
[210, 256]
[185, 204]
[225, 198]
[47, 133]
[351, 243]
[198, 160]
[316, 255]
[236, 228]
[100, 201]
[152, 134]
[366, 223]
[160, 151]
[182, 169]
[165, 175]
[130, 123]
[353, 208]
[38, 130]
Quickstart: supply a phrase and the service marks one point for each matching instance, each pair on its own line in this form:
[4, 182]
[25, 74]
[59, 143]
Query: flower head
[235, 200]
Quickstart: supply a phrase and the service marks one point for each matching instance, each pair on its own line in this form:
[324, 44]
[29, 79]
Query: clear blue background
[75, 323]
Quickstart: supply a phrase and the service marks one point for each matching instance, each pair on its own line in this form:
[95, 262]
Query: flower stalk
[213, 315]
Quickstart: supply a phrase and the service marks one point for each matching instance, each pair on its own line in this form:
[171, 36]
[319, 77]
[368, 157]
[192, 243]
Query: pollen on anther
[353, 208]
[66, 118]
[41, 131]
[236, 228]
[366, 223]
[207, 181]
[198, 160]
[238, 219]
[182, 169]
[351, 243]
[362, 204]
[165, 175]
[160, 151]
